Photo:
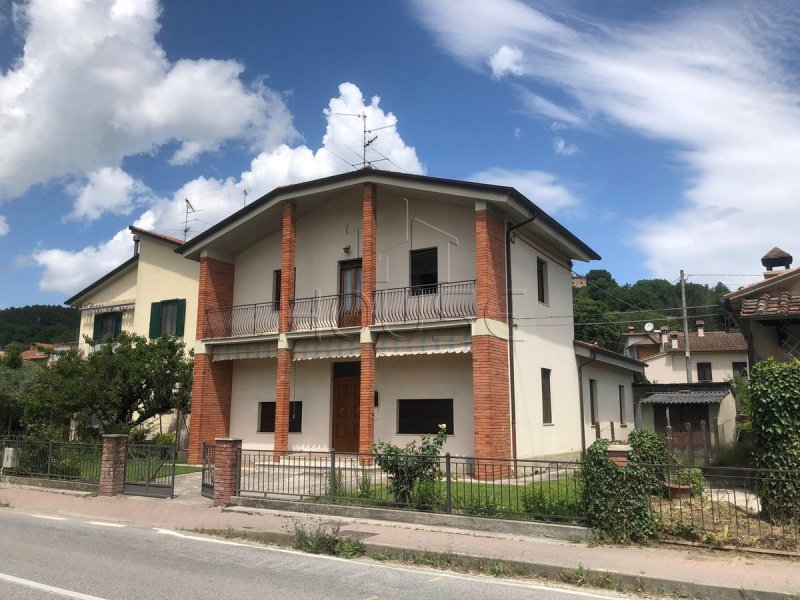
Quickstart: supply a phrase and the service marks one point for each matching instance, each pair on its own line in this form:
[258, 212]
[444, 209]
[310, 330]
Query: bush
[536, 502]
[137, 435]
[649, 452]
[481, 506]
[365, 485]
[164, 439]
[691, 476]
[427, 494]
[320, 541]
[775, 400]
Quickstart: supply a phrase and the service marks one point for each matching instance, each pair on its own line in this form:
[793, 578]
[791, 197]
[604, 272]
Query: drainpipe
[510, 318]
[580, 397]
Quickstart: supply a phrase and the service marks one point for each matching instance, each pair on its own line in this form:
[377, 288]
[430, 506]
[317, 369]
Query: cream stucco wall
[543, 338]
[671, 367]
[253, 281]
[609, 378]
[119, 289]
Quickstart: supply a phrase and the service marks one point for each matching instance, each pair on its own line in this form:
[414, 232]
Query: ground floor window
[593, 401]
[266, 417]
[704, 371]
[547, 407]
[419, 416]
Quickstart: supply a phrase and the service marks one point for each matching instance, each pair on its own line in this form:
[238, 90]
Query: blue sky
[663, 134]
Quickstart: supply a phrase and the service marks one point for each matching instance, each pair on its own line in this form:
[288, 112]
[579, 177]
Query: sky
[663, 134]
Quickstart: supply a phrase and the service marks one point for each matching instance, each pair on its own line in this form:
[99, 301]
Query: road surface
[50, 557]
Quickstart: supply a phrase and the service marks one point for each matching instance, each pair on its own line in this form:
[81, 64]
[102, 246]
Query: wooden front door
[345, 413]
[350, 293]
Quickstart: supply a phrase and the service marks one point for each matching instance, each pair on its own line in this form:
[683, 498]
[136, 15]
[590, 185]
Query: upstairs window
[424, 271]
[547, 406]
[593, 401]
[739, 369]
[623, 417]
[167, 318]
[704, 371]
[107, 325]
[276, 289]
[541, 280]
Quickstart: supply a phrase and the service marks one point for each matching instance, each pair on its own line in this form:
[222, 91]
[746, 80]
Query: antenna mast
[244, 198]
[365, 143]
[188, 208]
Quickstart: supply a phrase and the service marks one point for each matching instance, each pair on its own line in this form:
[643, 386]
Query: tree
[13, 383]
[593, 323]
[123, 383]
[13, 357]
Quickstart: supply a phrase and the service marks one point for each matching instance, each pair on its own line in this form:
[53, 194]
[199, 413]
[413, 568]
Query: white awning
[117, 306]
[329, 347]
[424, 342]
[244, 351]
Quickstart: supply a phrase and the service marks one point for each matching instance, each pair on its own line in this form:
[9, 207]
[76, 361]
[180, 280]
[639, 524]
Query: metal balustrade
[327, 312]
[246, 319]
[433, 302]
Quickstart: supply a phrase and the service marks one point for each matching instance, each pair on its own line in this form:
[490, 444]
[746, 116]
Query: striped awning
[424, 342]
[244, 351]
[107, 307]
[328, 347]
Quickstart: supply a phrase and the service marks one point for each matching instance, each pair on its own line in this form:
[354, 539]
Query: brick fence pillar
[618, 454]
[112, 464]
[226, 469]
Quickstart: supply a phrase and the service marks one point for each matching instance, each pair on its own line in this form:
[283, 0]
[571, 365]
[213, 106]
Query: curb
[57, 486]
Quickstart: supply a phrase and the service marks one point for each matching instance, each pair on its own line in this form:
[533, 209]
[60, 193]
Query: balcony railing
[327, 312]
[434, 302]
[246, 319]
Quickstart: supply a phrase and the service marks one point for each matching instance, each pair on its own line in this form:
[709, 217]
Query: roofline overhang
[107, 278]
[609, 357]
[155, 236]
[497, 194]
[760, 285]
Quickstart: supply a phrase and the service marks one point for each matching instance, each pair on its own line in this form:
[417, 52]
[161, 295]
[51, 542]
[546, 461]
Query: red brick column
[618, 454]
[211, 387]
[226, 469]
[369, 258]
[112, 464]
[283, 379]
[490, 375]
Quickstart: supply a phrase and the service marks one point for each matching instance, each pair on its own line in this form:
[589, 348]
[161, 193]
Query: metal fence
[246, 319]
[207, 477]
[433, 302]
[522, 489]
[71, 461]
[149, 470]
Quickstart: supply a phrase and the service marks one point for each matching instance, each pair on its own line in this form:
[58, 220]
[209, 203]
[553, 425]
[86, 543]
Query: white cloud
[93, 85]
[562, 148]
[107, 190]
[711, 80]
[507, 61]
[541, 188]
[536, 105]
[67, 271]
[4, 227]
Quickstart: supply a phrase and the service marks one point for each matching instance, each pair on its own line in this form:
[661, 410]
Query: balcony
[326, 312]
[434, 302]
[244, 320]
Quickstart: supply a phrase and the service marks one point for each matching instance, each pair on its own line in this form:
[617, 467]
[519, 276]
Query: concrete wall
[765, 341]
[121, 288]
[433, 377]
[255, 268]
[671, 367]
[609, 378]
[542, 342]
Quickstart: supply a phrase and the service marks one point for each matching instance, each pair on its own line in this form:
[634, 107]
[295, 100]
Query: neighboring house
[768, 311]
[46, 354]
[373, 306]
[607, 380]
[716, 356]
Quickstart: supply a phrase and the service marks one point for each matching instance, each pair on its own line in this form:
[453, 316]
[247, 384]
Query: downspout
[580, 396]
[510, 318]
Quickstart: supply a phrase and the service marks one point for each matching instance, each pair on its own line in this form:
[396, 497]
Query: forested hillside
[39, 323]
[604, 309]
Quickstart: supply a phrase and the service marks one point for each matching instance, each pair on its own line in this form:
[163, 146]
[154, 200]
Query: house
[715, 355]
[768, 311]
[45, 354]
[375, 305]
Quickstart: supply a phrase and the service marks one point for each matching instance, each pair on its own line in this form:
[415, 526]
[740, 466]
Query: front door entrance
[346, 392]
[350, 293]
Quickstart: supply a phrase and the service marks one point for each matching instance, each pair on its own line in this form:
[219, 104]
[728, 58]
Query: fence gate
[207, 485]
[150, 471]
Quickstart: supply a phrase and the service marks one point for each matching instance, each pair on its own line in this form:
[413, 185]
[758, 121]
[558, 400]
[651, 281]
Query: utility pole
[686, 330]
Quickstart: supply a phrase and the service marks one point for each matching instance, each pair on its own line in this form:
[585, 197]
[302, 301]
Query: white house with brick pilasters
[373, 306]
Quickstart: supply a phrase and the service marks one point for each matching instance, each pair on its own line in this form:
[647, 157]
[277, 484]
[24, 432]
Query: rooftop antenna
[244, 198]
[366, 142]
[188, 209]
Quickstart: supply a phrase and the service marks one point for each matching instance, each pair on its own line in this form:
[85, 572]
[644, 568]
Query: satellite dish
[648, 327]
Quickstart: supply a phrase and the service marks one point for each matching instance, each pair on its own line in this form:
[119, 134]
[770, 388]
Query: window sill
[548, 424]
[623, 425]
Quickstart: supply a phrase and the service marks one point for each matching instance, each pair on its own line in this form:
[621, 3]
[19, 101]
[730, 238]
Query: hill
[38, 323]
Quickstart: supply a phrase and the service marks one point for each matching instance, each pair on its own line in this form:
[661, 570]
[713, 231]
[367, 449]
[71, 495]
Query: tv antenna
[244, 198]
[188, 208]
[366, 141]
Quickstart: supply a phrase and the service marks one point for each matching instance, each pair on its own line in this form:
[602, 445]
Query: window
[623, 418]
[424, 416]
[593, 400]
[266, 417]
[541, 280]
[739, 368]
[547, 407]
[107, 325]
[424, 271]
[704, 371]
[276, 289]
[167, 318]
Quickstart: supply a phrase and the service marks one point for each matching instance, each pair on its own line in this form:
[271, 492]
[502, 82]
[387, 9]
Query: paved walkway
[699, 572]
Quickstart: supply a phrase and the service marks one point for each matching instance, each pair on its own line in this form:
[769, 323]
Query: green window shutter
[180, 319]
[97, 326]
[117, 324]
[155, 320]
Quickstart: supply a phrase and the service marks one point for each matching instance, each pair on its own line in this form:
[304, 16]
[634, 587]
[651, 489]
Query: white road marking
[47, 588]
[105, 524]
[50, 518]
[492, 580]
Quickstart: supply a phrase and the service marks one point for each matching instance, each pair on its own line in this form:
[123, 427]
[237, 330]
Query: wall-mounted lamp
[346, 249]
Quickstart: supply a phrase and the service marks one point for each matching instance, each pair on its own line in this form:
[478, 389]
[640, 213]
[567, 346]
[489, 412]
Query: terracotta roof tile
[776, 253]
[782, 305]
[712, 341]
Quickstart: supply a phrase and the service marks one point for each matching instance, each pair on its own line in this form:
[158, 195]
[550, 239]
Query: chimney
[663, 337]
[136, 245]
[674, 339]
[775, 258]
[630, 329]
[700, 328]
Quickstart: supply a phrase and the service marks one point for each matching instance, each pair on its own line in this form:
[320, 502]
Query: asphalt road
[76, 558]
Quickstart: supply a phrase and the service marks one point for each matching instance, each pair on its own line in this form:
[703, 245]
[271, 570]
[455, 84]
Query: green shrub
[689, 476]
[617, 499]
[536, 502]
[427, 494]
[481, 505]
[320, 541]
[164, 439]
[775, 401]
[365, 485]
[335, 485]
[138, 435]
[649, 452]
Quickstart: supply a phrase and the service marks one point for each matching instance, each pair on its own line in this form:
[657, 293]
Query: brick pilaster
[226, 469]
[283, 394]
[490, 367]
[215, 290]
[369, 258]
[283, 379]
[112, 464]
[211, 403]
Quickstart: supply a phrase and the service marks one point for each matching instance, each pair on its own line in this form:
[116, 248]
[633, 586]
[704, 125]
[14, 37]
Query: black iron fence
[522, 489]
[207, 479]
[246, 319]
[150, 470]
[71, 461]
[433, 302]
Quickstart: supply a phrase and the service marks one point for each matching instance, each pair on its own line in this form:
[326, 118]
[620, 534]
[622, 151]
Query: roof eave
[104, 279]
